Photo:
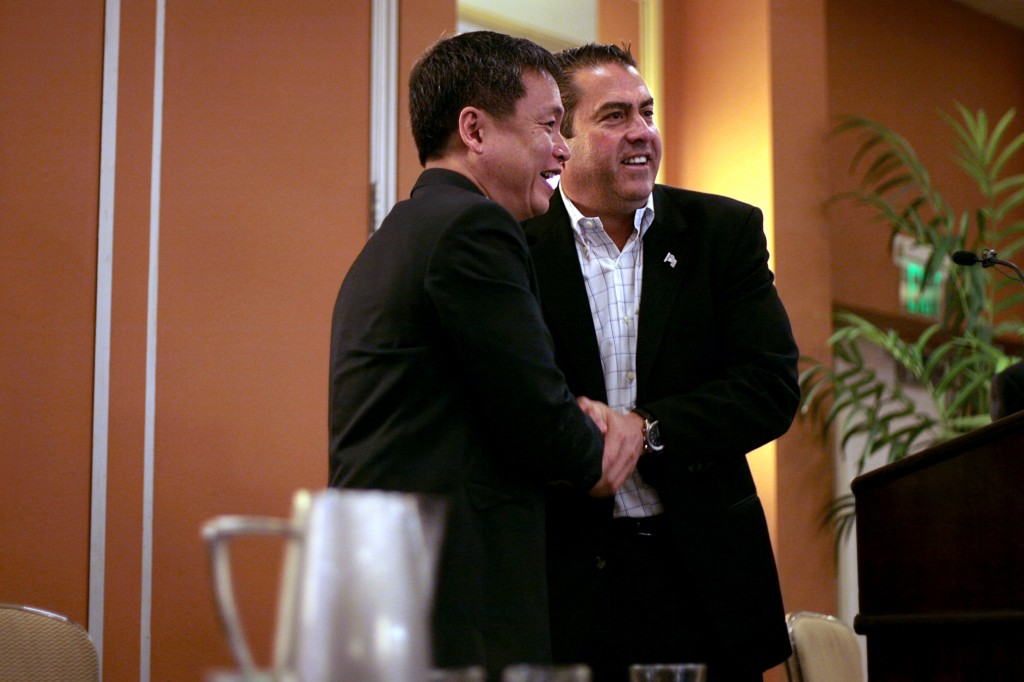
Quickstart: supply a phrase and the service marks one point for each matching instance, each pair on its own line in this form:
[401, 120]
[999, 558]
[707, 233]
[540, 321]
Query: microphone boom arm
[988, 259]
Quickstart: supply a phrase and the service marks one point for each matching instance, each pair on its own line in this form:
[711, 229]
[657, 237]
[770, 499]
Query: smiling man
[442, 373]
[661, 302]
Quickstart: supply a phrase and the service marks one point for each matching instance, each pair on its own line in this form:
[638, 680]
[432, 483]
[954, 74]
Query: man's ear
[472, 122]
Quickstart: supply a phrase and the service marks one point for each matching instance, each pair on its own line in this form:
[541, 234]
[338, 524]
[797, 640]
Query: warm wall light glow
[762, 466]
[651, 58]
[716, 113]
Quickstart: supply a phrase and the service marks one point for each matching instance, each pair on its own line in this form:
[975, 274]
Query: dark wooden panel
[940, 539]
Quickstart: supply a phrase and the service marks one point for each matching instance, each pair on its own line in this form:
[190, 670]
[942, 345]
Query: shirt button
[600, 563]
[631, 375]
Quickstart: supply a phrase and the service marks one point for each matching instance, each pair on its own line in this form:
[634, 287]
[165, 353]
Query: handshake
[623, 444]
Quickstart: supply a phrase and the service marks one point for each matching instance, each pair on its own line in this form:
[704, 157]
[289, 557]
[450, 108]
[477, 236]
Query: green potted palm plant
[953, 360]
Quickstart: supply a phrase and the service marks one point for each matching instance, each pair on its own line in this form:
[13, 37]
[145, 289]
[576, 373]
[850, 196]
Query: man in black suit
[661, 302]
[442, 373]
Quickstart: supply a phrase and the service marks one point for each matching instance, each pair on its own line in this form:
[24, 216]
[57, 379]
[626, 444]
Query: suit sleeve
[745, 358]
[480, 278]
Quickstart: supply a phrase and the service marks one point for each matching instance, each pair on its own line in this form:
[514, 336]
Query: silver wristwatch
[652, 433]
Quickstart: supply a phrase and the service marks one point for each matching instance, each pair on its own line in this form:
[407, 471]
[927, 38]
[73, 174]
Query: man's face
[616, 148]
[525, 150]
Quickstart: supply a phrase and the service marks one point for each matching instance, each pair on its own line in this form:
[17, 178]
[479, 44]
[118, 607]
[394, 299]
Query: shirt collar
[642, 219]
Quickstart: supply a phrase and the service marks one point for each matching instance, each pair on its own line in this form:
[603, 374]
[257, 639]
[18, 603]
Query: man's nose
[640, 128]
[562, 152]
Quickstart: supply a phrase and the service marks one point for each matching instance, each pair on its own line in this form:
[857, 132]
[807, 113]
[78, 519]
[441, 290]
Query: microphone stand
[988, 260]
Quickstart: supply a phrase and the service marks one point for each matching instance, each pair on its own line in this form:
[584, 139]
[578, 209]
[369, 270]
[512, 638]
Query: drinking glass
[473, 673]
[546, 673]
[668, 672]
[220, 675]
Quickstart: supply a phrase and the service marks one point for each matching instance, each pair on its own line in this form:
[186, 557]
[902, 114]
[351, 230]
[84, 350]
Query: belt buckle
[645, 527]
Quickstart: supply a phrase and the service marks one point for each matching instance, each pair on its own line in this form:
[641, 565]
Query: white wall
[565, 22]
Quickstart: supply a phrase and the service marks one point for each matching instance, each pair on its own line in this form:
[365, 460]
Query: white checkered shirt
[613, 280]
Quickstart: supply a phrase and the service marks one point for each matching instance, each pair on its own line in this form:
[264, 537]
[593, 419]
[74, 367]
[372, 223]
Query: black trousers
[650, 611]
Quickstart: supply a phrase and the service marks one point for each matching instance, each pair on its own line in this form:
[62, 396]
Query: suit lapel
[564, 296]
[666, 261]
[568, 312]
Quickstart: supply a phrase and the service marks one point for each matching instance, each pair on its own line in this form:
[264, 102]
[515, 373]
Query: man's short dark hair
[584, 57]
[481, 69]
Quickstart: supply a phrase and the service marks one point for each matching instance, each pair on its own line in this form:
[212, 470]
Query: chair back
[38, 645]
[825, 649]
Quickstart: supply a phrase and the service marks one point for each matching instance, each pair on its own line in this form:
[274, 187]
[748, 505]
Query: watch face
[653, 434]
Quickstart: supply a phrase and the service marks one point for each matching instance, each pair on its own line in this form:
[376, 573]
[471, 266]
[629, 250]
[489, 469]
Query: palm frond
[952, 361]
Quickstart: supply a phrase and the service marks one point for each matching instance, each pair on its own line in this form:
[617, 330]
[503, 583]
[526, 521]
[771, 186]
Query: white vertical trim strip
[383, 110]
[145, 616]
[101, 361]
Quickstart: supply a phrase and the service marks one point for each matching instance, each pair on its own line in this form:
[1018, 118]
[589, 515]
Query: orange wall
[264, 205]
[618, 23]
[743, 113]
[802, 265]
[421, 24]
[719, 112]
[715, 113]
[900, 68]
[51, 62]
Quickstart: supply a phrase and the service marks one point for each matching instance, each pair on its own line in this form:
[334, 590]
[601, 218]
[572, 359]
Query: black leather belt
[645, 526]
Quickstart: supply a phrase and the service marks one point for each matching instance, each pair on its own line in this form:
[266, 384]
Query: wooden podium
[940, 557]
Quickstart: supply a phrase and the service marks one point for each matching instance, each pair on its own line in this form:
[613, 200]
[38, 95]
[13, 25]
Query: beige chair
[36, 645]
[825, 649]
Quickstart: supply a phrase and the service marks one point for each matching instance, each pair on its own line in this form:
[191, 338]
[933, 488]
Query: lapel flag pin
[670, 259]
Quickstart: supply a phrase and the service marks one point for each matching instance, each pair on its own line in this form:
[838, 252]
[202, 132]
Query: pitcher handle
[216, 533]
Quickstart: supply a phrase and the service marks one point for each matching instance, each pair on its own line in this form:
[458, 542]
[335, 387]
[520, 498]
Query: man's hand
[623, 444]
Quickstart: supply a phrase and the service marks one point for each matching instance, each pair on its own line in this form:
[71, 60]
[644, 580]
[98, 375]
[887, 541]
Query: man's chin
[541, 203]
[638, 191]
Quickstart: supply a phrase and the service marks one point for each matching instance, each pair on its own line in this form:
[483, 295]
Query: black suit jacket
[443, 381]
[716, 365]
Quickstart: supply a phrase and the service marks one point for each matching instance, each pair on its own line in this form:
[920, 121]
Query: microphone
[965, 258]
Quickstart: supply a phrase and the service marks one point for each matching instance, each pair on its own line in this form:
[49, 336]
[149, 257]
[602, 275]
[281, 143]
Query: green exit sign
[918, 296]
